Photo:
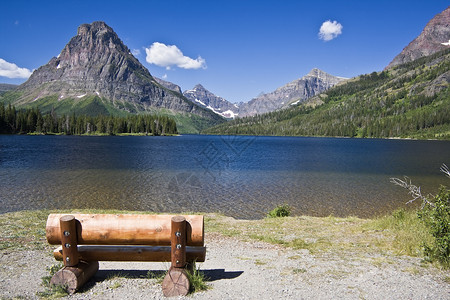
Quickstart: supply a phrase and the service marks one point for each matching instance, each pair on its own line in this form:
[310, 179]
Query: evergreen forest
[26, 121]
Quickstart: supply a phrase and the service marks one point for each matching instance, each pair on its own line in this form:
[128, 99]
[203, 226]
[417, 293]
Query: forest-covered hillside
[408, 101]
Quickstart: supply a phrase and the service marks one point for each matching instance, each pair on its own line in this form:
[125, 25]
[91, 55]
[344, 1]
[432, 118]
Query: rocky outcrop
[434, 37]
[208, 100]
[169, 85]
[314, 83]
[96, 62]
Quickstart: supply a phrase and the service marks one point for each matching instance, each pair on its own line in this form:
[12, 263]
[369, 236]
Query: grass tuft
[52, 291]
[157, 276]
[197, 279]
[406, 233]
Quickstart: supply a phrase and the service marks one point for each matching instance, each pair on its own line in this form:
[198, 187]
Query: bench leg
[176, 283]
[72, 278]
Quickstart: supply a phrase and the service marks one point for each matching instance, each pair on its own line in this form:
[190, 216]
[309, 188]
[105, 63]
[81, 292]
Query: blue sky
[236, 49]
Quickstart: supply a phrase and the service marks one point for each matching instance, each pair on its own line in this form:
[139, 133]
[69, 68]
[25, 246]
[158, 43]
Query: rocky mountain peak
[95, 62]
[201, 96]
[94, 56]
[322, 75]
[98, 28]
[199, 87]
[315, 72]
[434, 37]
[98, 36]
[315, 82]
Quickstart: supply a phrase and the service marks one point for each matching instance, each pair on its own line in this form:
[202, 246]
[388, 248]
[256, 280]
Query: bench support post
[176, 283]
[178, 242]
[75, 272]
[69, 240]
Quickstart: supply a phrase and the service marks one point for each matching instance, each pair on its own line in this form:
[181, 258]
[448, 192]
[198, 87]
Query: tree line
[24, 121]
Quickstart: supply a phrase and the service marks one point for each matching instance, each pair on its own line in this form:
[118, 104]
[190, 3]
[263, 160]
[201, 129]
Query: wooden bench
[86, 239]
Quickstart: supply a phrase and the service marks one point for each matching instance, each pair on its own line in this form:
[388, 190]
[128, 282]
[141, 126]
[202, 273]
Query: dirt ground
[244, 270]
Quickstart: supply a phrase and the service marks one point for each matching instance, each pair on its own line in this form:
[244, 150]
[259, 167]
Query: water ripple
[243, 177]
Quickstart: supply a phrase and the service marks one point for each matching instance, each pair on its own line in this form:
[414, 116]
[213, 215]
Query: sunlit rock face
[434, 37]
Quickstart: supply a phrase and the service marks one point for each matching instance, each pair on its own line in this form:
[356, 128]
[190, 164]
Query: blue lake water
[240, 176]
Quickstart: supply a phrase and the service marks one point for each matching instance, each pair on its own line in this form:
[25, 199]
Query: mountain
[208, 100]
[315, 82]
[96, 73]
[410, 100]
[294, 92]
[434, 37]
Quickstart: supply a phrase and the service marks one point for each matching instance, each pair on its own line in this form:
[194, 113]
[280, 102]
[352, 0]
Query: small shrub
[435, 214]
[437, 219]
[280, 211]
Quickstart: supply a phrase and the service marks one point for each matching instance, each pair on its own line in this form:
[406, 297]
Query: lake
[240, 176]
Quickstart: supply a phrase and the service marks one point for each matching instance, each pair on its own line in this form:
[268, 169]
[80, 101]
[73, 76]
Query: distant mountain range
[297, 91]
[96, 73]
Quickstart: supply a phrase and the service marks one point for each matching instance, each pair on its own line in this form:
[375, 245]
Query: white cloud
[330, 30]
[11, 70]
[164, 76]
[169, 55]
[136, 52]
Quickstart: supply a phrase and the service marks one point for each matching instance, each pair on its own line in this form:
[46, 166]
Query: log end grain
[176, 283]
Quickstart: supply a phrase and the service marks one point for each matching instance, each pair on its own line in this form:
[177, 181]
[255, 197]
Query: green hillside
[407, 101]
[94, 106]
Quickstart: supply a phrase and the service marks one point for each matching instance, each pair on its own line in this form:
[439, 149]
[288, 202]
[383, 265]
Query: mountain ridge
[299, 90]
[296, 91]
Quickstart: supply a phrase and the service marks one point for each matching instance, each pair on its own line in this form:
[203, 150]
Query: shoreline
[243, 135]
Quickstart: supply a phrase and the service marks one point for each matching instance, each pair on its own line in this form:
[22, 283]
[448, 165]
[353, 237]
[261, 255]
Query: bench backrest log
[126, 229]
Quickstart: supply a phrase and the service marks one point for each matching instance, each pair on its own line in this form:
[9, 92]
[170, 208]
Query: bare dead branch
[413, 190]
[445, 170]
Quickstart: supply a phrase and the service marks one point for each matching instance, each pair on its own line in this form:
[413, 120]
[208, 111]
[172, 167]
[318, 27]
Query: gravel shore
[245, 270]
